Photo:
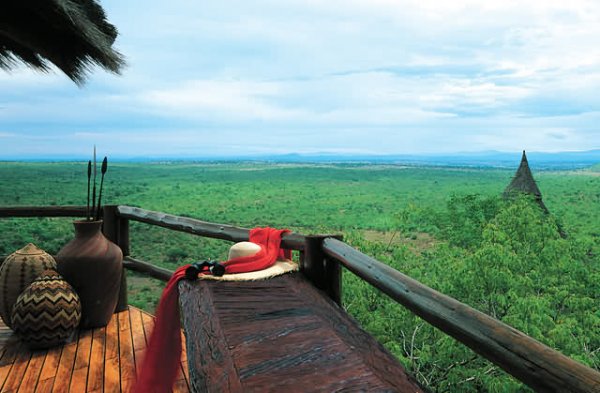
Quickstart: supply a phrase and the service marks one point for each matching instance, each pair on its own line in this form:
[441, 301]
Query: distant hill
[485, 159]
[538, 160]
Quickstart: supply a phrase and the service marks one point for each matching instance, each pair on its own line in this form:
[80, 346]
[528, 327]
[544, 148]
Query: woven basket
[17, 272]
[47, 312]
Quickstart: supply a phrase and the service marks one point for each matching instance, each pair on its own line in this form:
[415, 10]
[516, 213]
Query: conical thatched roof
[74, 35]
[523, 182]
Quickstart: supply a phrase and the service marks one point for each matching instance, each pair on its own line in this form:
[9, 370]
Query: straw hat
[243, 249]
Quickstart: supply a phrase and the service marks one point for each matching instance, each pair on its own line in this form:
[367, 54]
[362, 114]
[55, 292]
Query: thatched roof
[523, 182]
[74, 35]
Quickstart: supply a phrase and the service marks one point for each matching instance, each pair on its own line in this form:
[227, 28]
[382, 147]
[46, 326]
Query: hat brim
[282, 266]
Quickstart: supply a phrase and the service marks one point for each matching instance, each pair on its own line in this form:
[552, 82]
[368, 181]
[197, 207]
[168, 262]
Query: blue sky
[354, 76]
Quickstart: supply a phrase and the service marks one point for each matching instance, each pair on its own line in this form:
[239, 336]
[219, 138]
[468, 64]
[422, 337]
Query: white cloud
[357, 75]
[24, 77]
[227, 99]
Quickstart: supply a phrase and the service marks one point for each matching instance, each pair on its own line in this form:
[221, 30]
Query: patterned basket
[17, 272]
[48, 311]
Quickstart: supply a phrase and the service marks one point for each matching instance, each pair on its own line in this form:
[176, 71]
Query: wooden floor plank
[112, 374]
[127, 385]
[15, 377]
[183, 380]
[137, 329]
[183, 348]
[180, 386]
[148, 322]
[112, 339]
[12, 350]
[32, 374]
[186, 371]
[4, 371]
[51, 363]
[79, 380]
[45, 386]
[100, 360]
[126, 355]
[84, 346]
[7, 360]
[96, 371]
[112, 377]
[65, 368]
[82, 362]
[139, 361]
[123, 319]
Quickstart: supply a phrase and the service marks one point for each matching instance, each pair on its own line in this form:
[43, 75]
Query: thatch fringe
[74, 35]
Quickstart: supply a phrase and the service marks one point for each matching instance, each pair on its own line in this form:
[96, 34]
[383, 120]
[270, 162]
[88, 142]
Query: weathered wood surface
[280, 335]
[323, 272]
[135, 265]
[43, 211]
[292, 241]
[116, 229]
[535, 364]
[99, 360]
[147, 268]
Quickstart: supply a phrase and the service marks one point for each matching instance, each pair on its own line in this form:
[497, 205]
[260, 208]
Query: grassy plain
[308, 198]
[398, 214]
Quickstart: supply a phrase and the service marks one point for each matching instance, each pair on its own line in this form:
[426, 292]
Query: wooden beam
[116, 229]
[147, 268]
[135, 265]
[211, 363]
[43, 211]
[533, 363]
[280, 335]
[324, 273]
[292, 241]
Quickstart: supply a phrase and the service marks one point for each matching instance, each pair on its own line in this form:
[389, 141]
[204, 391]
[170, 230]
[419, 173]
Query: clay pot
[93, 265]
[17, 272]
[47, 312]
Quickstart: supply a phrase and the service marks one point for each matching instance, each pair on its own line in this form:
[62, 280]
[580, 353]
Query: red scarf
[163, 354]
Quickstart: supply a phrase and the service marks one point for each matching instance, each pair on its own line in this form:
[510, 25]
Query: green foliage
[444, 227]
[465, 217]
[509, 261]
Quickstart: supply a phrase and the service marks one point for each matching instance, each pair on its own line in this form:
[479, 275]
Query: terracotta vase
[93, 265]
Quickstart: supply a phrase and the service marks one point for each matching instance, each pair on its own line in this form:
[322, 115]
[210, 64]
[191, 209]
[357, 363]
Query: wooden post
[124, 236]
[116, 229]
[323, 272]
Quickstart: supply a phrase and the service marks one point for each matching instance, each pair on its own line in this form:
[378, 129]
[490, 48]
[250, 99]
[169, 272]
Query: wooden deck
[97, 360]
[281, 335]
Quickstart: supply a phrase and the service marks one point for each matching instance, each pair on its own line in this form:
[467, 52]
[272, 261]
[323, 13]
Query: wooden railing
[321, 257]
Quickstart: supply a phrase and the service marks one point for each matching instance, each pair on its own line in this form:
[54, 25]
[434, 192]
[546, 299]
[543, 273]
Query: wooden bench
[280, 335]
